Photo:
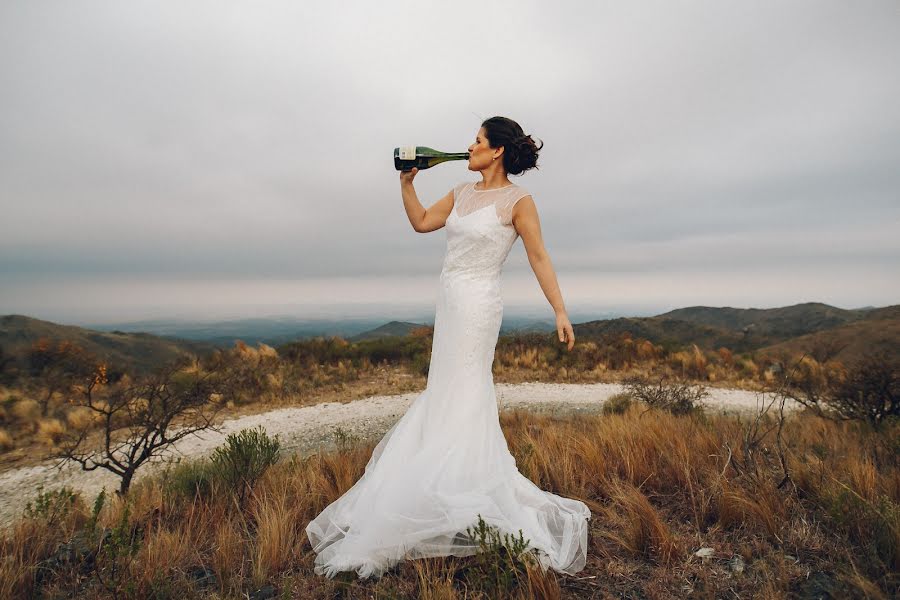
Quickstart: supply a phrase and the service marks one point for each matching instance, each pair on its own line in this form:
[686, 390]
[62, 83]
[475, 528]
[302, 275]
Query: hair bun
[521, 151]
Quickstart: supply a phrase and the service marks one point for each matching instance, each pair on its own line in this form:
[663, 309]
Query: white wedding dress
[446, 460]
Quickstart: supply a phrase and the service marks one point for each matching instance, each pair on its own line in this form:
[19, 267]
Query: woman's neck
[490, 181]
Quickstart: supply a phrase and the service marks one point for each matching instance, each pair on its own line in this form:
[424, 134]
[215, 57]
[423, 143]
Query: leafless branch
[138, 420]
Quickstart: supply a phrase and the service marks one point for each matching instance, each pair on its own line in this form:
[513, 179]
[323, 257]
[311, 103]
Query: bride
[446, 463]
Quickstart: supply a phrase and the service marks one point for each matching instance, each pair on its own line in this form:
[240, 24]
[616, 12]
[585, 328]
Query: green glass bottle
[422, 157]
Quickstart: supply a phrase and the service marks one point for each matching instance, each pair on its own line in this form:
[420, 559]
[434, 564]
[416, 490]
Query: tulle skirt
[445, 463]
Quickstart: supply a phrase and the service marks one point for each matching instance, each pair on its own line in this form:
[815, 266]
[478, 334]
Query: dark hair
[520, 153]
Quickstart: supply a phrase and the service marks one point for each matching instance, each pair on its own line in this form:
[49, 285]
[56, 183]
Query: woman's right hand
[408, 176]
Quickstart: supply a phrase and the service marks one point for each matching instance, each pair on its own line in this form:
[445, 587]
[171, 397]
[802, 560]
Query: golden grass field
[660, 488]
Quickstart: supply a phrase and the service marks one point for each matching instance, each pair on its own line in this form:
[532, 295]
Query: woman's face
[481, 155]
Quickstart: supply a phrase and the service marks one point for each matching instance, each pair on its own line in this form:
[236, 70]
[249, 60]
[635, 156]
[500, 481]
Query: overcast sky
[220, 159]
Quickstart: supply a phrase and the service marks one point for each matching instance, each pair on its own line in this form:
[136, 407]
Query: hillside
[670, 333]
[139, 352]
[878, 331]
[269, 330]
[744, 330]
[394, 328]
[400, 328]
[766, 323]
[803, 327]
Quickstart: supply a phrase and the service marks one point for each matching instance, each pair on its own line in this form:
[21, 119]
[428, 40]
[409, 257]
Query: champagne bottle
[422, 157]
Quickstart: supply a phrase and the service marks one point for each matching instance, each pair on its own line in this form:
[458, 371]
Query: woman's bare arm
[525, 220]
[423, 220]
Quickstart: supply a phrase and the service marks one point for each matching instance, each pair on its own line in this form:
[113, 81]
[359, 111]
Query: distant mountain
[878, 331]
[394, 328]
[885, 312]
[741, 329]
[669, 333]
[281, 330]
[802, 327]
[272, 331]
[139, 352]
[512, 325]
[776, 323]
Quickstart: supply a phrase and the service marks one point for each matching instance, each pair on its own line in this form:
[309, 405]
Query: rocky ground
[311, 428]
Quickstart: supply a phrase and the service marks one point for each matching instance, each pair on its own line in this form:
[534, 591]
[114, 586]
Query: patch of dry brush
[661, 487]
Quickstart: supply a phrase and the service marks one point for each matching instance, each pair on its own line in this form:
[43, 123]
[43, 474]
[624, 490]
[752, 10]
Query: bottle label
[407, 153]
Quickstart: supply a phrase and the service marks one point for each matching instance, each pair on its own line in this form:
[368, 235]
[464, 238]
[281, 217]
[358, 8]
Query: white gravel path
[309, 428]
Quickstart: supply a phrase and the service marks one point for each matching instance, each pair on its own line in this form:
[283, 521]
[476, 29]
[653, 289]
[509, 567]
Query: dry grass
[6, 440]
[50, 431]
[279, 533]
[27, 411]
[659, 487]
[81, 417]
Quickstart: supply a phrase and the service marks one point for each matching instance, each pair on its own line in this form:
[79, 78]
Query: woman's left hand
[564, 329]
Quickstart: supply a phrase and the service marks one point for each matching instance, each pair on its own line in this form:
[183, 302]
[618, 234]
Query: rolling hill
[878, 331]
[808, 325]
[782, 323]
[670, 333]
[811, 327]
[394, 328]
[140, 352]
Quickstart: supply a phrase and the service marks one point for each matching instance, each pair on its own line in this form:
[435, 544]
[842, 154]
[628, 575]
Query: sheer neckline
[492, 189]
[469, 214]
[467, 202]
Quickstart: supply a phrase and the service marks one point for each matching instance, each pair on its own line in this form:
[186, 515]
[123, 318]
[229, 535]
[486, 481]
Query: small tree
[138, 422]
[868, 390]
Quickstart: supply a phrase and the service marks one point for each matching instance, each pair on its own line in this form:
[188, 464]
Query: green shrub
[244, 459]
[420, 363]
[191, 478]
[52, 506]
[617, 404]
[500, 561]
[116, 550]
[343, 438]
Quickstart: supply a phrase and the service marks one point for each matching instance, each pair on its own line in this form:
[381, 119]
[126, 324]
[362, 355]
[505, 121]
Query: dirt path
[310, 428]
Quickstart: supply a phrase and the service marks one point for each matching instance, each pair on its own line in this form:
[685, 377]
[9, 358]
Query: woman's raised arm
[423, 220]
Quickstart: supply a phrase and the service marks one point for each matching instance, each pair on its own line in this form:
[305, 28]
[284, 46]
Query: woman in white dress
[446, 463]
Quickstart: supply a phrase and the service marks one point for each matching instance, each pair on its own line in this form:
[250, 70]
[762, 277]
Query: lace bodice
[480, 233]
[467, 199]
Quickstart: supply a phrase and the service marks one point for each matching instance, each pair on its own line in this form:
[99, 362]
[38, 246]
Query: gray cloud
[251, 142]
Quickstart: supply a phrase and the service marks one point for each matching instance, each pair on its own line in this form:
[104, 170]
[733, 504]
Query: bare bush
[673, 395]
[253, 372]
[826, 349]
[752, 459]
[868, 390]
